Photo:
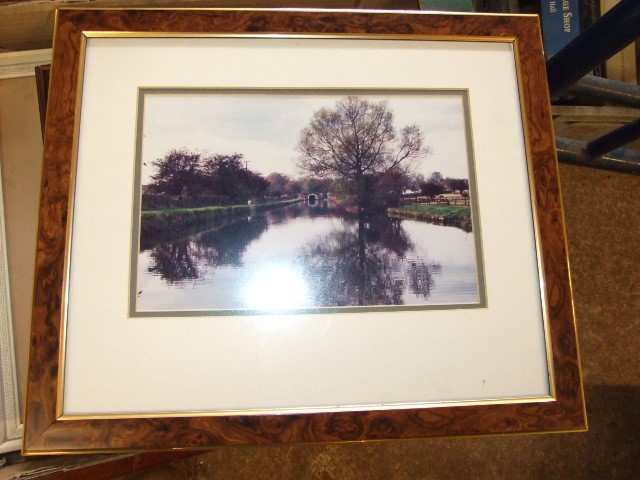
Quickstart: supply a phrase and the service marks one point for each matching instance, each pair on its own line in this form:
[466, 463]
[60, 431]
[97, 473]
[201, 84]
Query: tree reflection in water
[174, 261]
[358, 262]
[221, 246]
[364, 263]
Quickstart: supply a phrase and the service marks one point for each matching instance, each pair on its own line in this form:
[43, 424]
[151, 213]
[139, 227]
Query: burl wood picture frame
[101, 380]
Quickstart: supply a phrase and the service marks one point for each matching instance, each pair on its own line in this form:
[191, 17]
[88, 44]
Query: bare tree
[355, 139]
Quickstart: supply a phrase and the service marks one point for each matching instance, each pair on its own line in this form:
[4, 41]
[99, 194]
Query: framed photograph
[302, 219]
[280, 226]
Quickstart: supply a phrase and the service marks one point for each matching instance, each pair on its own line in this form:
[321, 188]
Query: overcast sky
[264, 127]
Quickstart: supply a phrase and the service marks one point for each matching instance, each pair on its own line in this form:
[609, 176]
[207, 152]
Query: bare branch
[356, 138]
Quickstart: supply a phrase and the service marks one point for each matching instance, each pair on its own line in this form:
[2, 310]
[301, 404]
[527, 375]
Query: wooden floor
[604, 240]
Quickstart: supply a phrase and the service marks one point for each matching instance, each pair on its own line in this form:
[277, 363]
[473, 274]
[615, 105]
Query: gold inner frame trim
[299, 36]
[305, 410]
[413, 38]
[536, 226]
[69, 235]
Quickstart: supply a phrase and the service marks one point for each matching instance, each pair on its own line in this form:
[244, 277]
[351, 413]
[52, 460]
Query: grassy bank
[454, 215]
[177, 219]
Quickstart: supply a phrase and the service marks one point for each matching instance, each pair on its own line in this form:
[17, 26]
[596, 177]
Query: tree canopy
[437, 184]
[177, 172]
[182, 172]
[357, 138]
[228, 176]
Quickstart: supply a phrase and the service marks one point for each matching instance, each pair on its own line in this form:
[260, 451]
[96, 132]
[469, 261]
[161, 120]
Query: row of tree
[437, 185]
[352, 150]
[195, 175]
[189, 174]
[281, 185]
[192, 175]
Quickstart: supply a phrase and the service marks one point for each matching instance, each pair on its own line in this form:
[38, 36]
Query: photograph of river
[304, 201]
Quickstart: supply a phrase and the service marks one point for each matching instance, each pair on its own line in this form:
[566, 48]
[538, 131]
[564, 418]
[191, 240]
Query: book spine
[560, 24]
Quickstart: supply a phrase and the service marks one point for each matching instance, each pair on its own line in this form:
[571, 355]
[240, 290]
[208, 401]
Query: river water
[303, 257]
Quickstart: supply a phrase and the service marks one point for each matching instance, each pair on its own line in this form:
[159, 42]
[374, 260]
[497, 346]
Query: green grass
[176, 219]
[177, 210]
[447, 211]
[455, 215]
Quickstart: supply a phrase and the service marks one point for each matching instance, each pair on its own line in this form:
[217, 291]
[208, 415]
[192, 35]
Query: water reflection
[224, 245]
[301, 257]
[362, 263]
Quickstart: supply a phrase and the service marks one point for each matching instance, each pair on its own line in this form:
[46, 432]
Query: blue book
[560, 23]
